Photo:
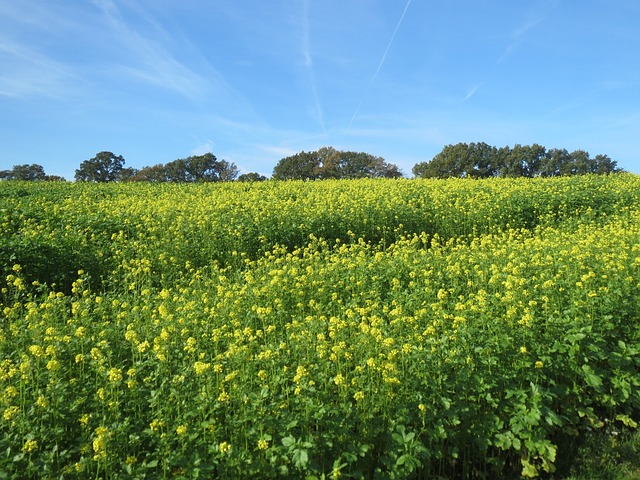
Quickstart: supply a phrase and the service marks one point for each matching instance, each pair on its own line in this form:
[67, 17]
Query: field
[355, 329]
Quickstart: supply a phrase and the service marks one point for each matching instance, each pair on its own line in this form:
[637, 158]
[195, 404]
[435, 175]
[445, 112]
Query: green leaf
[529, 470]
[300, 458]
[627, 420]
[591, 378]
[288, 441]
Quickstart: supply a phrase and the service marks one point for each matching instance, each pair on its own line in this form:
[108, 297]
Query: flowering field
[363, 329]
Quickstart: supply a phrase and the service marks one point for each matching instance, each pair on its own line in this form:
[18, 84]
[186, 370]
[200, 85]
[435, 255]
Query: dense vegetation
[479, 160]
[474, 160]
[365, 328]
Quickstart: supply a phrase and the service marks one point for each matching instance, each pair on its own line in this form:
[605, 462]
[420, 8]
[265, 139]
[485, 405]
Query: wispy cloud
[520, 32]
[384, 57]
[308, 63]
[152, 62]
[28, 72]
[203, 148]
[472, 91]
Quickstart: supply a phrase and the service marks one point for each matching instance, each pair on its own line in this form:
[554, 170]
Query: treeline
[479, 160]
[473, 160]
[28, 173]
[328, 162]
[106, 167]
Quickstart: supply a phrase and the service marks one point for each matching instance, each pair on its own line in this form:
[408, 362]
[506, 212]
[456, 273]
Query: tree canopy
[28, 173]
[251, 177]
[479, 160]
[197, 168]
[328, 162]
[104, 167]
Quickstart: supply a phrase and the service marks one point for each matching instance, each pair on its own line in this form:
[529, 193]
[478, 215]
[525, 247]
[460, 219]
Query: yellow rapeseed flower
[30, 446]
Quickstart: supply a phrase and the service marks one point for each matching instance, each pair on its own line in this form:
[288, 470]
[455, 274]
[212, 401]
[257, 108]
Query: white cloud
[28, 72]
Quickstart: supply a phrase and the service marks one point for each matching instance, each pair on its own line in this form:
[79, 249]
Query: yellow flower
[358, 396]
[263, 444]
[201, 367]
[114, 375]
[523, 349]
[224, 447]
[539, 364]
[101, 393]
[10, 412]
[36, 350]
[53, 365]
[29, 446]
[181, 430]
[156, 425]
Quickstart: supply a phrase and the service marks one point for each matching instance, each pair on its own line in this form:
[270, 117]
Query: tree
[603, 164]
[27, 173]
[156, 173]
[327, 162]
[227, 171]
[301, 166]
[197, 168]
[251, 177]
[474, 160]
[479, 160]
[522, 161]
[104, 167]
[556, 162]
[201, 168]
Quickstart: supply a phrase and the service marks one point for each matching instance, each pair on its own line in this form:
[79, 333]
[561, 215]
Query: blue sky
[255, 81]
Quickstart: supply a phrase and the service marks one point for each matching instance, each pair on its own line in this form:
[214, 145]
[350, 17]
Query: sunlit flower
[30, 446]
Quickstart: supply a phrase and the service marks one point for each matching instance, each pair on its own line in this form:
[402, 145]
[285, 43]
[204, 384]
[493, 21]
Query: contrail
[308, 62]
[384, 56]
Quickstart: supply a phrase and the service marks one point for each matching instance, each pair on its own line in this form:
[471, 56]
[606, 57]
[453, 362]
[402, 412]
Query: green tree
[523, 161]
[603, 164]
[200, 168]
[556, 162]
[197, 168]
[301, 166]
[479, 160]
[104, 167]
[251, 177]
[474, 160]
[28, 173]
[156, 173]
[327, 162]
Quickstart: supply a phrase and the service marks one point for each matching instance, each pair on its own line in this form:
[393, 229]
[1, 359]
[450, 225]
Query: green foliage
[364, 329]
[104, 167]
[330, 163]
[27, 173]
[479, 160]
[251, 177]
[197, 168]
